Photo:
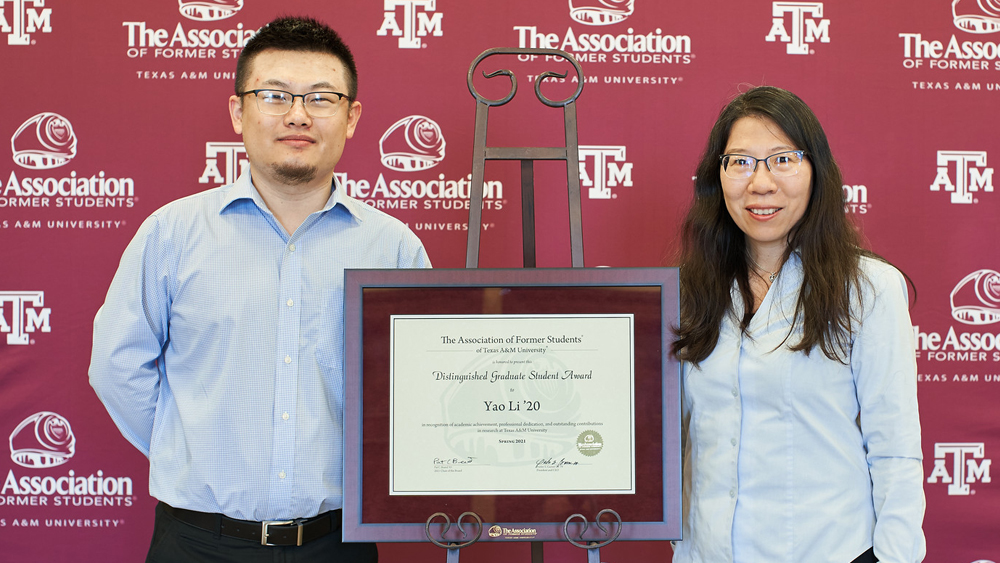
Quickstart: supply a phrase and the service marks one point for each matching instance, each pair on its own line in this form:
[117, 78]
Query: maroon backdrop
[117, 107]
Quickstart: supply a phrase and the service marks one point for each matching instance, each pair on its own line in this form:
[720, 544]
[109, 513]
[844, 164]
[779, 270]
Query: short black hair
[297, 34]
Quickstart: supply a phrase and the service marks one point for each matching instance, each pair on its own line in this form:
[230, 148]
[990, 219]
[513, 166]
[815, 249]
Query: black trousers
[177, 542]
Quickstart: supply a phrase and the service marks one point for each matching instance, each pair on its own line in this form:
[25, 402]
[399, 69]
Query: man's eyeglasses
[741, 166]
[279, 102]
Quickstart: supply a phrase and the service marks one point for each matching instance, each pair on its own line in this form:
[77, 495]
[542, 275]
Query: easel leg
[537, 554]
[476, 188]
[528, 212]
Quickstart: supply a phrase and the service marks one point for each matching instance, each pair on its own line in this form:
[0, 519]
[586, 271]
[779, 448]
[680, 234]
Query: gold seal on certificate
[589, 443]
[512, 404]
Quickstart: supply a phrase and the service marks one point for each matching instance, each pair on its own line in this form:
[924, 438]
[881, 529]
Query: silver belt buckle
[264, 534]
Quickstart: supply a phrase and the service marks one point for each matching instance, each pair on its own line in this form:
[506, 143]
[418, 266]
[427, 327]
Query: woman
[802, 439]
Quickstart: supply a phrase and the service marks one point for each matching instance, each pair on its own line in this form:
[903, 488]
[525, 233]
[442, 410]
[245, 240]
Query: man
[219, 349]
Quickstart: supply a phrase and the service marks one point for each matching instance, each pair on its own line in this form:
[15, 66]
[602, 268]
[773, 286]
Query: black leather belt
[277, 533]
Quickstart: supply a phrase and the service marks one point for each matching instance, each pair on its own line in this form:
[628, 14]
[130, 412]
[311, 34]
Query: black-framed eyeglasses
[742, 166]
[279, 102]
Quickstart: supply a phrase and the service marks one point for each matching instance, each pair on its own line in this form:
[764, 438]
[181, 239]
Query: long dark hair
[714, 249]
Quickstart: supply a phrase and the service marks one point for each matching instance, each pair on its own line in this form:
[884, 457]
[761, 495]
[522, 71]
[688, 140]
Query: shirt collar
[339, 196]
[243, 189]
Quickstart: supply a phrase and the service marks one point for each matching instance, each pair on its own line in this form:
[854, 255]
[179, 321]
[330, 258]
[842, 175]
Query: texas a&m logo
[606, 172]
[971, 175]
[22, 313]
[964, 467]
[19, 18]
[806, 22]
[224, 162]
[418, 21]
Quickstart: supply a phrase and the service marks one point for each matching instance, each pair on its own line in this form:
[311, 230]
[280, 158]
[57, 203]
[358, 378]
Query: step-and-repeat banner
[117, 107]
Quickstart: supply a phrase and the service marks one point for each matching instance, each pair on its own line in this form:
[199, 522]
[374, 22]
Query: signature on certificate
[551, 462]
[438, 461]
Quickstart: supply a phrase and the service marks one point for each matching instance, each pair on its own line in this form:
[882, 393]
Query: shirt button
[735, 392]
[290, 302]
[288, 359]
[284, 416]
[733, 441]
[732, 492]
[281, 474]
[291, 247]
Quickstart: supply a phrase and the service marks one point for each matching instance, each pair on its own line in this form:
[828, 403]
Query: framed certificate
[525, 396]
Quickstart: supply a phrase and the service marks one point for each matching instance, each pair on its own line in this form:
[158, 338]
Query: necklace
[770, 275]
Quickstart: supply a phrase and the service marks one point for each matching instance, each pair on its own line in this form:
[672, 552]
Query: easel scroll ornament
[527, 155]
[453, 546]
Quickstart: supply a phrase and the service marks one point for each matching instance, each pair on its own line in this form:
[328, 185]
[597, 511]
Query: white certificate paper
[512, 404]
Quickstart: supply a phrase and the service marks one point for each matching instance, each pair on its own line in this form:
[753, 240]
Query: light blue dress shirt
[796, 458]
[219, 351]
